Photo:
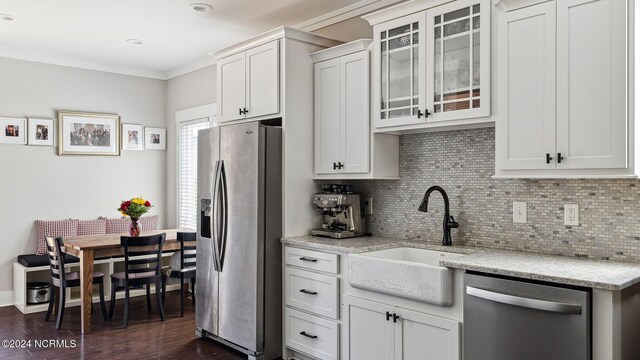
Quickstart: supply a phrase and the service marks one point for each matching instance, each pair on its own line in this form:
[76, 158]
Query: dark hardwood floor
[145, 338]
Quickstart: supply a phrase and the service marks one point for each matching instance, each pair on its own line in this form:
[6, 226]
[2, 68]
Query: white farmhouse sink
[409, 273]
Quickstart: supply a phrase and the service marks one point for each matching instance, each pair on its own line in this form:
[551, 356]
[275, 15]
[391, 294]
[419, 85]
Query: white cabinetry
[564, 108]
[312, 303]
[431, 65]
[375, 330]
[344, 145]
[248, 83]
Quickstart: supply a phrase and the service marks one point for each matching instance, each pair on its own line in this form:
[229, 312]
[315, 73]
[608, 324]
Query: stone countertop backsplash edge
[597, 274]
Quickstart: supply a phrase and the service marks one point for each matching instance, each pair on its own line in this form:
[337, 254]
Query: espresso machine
[342, 215]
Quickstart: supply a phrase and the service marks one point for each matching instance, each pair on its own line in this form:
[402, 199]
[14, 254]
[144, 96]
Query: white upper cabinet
[592, 84]
[344, 146]
[527, 80]
[458, 61]
[431, 68]
[248, 83]
[262, 80]
[399, 75]
[231, 87]
[563, 90]
[327, 117]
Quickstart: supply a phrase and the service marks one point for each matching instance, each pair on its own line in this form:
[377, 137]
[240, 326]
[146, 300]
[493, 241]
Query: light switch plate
[571, 214]
[520, 212]
[368, 206]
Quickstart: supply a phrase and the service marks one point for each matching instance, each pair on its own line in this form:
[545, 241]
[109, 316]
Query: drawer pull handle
[305, 291]
[303, 333]
[308, 259]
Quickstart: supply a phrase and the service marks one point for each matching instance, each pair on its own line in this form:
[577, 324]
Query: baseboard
[6, 298]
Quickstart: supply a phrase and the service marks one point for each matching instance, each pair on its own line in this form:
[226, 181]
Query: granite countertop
[598, 274]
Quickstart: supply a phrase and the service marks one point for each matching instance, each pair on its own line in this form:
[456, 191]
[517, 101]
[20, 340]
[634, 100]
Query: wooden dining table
[90, 247]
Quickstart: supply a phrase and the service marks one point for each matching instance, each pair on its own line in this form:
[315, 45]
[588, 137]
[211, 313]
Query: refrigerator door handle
[215, 218]
[222, 242]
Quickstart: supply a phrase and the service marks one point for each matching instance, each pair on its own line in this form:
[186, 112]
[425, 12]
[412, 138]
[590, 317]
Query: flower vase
[134, 228]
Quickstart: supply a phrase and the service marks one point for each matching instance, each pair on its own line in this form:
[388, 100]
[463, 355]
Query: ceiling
[92, 33]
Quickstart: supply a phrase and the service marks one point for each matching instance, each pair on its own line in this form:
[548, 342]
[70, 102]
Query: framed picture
[155, 138]
[41, 132]
[81, 133]
[132, 137]
[13, 130]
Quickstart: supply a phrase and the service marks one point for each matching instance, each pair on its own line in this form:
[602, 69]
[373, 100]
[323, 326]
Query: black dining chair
[60, 280]
[187, 269]
[142, 256]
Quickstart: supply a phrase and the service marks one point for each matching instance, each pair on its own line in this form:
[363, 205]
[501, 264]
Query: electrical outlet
[368, 206]
[519, 212]
[571, 213]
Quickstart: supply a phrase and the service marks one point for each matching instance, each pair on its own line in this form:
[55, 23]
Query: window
[188, 171]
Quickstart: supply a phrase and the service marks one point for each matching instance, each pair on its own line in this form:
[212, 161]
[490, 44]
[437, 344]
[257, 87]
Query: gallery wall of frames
[82, 133]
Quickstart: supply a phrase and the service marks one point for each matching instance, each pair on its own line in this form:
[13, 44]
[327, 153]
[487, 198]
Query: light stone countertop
[598, 274]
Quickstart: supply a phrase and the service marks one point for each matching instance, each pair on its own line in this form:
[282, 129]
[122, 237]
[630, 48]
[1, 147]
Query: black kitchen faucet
[449, 222]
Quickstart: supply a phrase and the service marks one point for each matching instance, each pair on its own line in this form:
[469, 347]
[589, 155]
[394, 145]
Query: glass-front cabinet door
[458, 61]
[399, 72]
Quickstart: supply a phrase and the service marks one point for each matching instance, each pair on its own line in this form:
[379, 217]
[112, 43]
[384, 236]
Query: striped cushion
[118, 226]
[149, 222]
[92, 227]
[58, 228]
[121, 225]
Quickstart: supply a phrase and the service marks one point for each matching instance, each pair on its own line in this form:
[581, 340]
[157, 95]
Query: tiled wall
[462, 162]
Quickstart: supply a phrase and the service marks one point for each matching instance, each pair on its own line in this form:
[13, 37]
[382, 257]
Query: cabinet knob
[426, 113]
[395, 317]
[239, 111]
[549, 158]
[388, 316]
[335, 166]
[420, 114]
[244, 111]
[340, 165]
[560, 158]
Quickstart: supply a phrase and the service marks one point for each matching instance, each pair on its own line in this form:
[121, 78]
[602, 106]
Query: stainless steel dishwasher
[507, 319]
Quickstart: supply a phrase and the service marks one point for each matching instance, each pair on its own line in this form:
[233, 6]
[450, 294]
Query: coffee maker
[342, 215]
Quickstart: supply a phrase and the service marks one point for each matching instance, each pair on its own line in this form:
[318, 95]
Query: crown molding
[354, 10]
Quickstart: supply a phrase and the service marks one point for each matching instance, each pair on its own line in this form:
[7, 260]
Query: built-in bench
[35, 268]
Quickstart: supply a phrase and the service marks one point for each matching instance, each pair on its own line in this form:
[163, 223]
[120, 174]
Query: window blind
[188, 172]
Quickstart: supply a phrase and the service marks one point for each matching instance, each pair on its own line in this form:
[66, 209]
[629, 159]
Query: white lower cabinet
[311, 334]
[312, 304]
[374, 330]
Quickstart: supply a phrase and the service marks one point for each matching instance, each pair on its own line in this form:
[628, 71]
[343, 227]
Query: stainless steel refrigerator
[239, 273]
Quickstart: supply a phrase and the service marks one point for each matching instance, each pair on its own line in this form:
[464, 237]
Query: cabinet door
[399, 70]
[422, 336]
[367, 332]
[262, 88]
[526, 128]
[592, 84]
[458, 60]
[231, 87]
[354, 79]
[327, 116]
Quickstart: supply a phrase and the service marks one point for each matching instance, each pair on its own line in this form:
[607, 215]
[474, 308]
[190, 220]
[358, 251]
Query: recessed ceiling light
[201, 7]
[135, 41]
[7, 17]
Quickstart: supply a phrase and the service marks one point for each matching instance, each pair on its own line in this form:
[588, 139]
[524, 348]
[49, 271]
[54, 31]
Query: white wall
[35, 183]
[184, 92]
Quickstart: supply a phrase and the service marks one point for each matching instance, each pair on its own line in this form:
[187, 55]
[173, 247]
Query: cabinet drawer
[311, 335]
[312, 260]
[312, 292]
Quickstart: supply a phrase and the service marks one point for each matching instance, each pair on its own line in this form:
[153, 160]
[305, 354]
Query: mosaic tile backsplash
[462, 162]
